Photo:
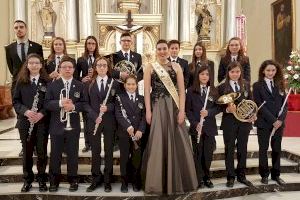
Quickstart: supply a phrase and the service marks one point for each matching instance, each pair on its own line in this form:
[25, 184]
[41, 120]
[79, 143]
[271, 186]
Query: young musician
[270, 88]
[132, 125]
[28, 101]
[233, 129]
[234, 52]
[174, 48]
[84, 72]
[64, 100]
[194, 107]
[97, 91]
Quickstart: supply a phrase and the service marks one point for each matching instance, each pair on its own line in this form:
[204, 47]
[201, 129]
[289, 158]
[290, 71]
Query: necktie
[90, 62]
[126, 56]
[131, 98]
[57, 61]
[67, 85]
[272, 86]
[102, 86]
[23, 56]
[33, 83]
[203, 91]
[173, 60]
[236, 88]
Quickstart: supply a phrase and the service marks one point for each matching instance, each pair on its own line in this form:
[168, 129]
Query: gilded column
[85, 18]
[71, 21]
[184, 31]
[172, 20]
[155, 7]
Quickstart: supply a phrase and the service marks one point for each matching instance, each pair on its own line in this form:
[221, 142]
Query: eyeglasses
[101, 65]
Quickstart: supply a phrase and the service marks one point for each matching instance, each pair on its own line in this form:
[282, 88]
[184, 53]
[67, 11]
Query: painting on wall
[283, 25]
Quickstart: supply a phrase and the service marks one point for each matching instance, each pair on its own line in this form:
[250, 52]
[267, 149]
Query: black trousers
[231, 134]
[263, 136]
[95, 142]
[39, 138]
[130, 160]
[68, 141]
[203, 154]
[85, 130]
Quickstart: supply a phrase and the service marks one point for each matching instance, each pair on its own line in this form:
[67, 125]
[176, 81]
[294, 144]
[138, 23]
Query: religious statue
[48, 17]
[203, 23]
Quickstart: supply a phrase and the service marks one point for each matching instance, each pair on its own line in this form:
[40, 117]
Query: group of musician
[49, 95]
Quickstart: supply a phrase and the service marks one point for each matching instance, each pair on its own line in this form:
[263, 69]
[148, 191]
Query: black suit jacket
[268, 113]
[185, 69]
[193, 105]
[81, 66]
[50, 66]
[211, 67]
[94, 99]
[224, 65]
[23, 99]
[135, 112]
[13, 60]
[52, 104]
[135, 58]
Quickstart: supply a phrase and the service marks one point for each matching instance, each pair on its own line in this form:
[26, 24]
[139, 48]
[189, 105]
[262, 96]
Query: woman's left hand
[180, 118]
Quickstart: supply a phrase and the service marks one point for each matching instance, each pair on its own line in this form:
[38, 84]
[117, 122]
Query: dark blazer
[224, 65]
[81, 66]
[228, 119]
[185, 69]
[135, 112]
[13, 60]
[23, 100]
[135, 58]
[193, 105]
[268, 113]
[211, 67]
[52, 104]
[50, 67]
[94, 99]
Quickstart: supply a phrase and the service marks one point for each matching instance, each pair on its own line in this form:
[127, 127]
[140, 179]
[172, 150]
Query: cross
[129, 20]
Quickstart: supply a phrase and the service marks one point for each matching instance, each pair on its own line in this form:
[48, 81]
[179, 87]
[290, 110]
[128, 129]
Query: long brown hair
[86, 51]
[241, 80]
[278, 78]
[51, 57]
[24, 74]
[203, 58]
[241, 54]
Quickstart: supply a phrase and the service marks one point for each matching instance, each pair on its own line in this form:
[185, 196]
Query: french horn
[245, 110]
[125, 66]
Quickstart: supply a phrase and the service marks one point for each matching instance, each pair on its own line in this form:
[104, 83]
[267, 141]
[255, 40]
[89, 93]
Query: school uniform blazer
[185, 69]
[268, 113]
[81, 66]
[193, 105]
[50, 67]
[52, 104]
[228, 119]
[135, 112]
[94, 99]
[211, 68]
[23, 99]
[224, 65]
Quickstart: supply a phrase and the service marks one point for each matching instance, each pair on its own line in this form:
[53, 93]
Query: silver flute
[103, 104]
[34, 108]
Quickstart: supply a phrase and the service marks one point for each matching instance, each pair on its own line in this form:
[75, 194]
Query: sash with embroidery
[167, 81]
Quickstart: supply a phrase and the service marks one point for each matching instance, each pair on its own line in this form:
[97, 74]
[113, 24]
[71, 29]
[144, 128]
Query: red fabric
[292, 124]
[294, 102]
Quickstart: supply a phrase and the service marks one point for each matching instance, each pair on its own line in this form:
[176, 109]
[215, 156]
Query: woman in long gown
[168, 165]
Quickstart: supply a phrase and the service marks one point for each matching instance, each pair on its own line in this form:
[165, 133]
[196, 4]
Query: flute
[103, 103]
[202, 118]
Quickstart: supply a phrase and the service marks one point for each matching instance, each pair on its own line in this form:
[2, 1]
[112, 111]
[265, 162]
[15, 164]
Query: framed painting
[283, 29]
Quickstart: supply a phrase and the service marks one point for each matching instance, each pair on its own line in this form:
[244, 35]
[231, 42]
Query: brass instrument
[65, 116]
[125, 66]
[245, 110]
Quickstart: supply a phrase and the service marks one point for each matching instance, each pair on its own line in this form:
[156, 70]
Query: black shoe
[93, 186]
[200, 184]
[208, 183]
[230, 183]
[264, 180]
[53, 187]
[124, 188]
[21, 153]
[86, 149]
[42, 186]
[136, 188]
[278, 180]
[73, 187]
[107, 187]
[26, 187]
[245, 181]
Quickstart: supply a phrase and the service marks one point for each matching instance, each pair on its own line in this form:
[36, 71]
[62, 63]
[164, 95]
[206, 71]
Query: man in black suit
[174, 48]
[126, 54]
[17, 52]
[71, 104]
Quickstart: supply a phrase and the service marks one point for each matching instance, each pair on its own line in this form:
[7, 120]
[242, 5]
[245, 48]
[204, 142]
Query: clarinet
[124, 114]
[34, 108]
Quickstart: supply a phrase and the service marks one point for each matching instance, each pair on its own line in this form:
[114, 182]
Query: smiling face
[270, 71]
[130, 85]
[234, 47]
[235, 73]
[34, 65]
[162, 51]
[58, 46]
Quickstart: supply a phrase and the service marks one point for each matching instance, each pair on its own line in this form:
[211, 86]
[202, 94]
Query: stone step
[12, 190]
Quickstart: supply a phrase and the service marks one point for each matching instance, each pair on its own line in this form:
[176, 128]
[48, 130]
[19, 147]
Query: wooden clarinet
[34, 108]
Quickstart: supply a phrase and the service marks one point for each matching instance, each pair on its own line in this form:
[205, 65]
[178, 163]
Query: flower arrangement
[292, 71]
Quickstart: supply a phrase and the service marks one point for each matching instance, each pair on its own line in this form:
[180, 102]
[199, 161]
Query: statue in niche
[203, 23]
[48, 17]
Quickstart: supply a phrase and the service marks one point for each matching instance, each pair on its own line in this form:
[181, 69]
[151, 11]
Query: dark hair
[173, 42]
[20, 21]
[51, 57]
[126, 34]
[161, 41]
[67, 59]
[278, 78]
[131, 76]
[86, 52]
[241, 80]
[241, 54]
[203, 58]
[24, 74]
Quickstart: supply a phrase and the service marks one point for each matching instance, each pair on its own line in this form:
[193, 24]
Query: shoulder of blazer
[34, 44]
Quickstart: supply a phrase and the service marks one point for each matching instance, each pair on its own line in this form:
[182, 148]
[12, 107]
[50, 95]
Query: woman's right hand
[148, 117]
